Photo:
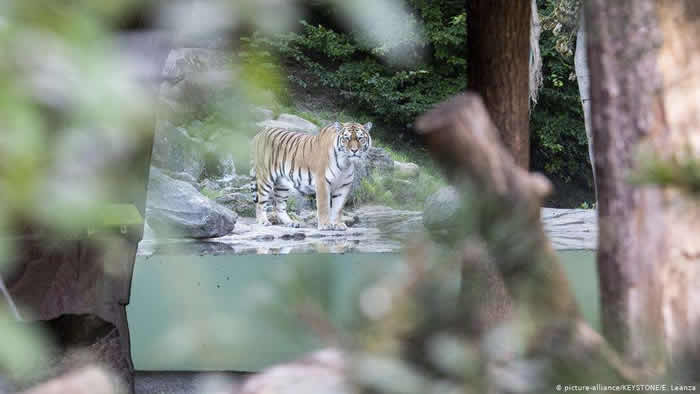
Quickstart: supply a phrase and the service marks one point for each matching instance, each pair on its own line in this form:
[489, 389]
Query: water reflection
[380, 232]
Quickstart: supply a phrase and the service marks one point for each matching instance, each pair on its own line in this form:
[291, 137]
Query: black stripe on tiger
[275, 153]
[284, 157]
[335, 156]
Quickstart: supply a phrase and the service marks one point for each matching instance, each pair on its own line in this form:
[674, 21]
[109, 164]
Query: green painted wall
[217, 312]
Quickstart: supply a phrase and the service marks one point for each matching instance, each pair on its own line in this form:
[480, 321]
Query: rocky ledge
[377, 229]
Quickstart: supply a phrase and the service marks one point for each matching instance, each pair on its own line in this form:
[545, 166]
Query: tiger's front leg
[337, 202]
[323, 204]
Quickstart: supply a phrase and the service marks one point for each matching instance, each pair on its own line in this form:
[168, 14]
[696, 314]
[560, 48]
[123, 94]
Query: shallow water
[217, 312]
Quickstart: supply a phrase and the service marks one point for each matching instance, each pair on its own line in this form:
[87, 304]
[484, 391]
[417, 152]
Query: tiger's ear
[338, 126]
[367, 126]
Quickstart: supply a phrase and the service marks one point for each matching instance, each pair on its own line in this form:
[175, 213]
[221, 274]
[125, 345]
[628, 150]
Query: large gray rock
[176, 208]
[193, 77]
[291, 122]
[378, 160]
[176, 151]
[441, 208]
[395, 223]
[404, 190]
[241, 202]
[218, 165]
[261, 114]
[182, 176]
[298, 202]
[405, 170]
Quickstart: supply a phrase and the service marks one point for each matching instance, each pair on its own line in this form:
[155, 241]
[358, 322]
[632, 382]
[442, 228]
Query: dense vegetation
[339, 59]
[558, 146]
[327, 55]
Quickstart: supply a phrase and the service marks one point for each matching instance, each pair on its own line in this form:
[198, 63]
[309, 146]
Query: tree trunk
[680, 65]
[498, 34]
[648, 236]
[535, 80]
[622, 49]
[583, 78]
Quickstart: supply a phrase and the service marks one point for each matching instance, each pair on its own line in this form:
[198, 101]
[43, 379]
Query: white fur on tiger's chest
[339, 177]
[340, 170]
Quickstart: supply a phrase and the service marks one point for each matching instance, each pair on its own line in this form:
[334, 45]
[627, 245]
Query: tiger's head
[354, 140]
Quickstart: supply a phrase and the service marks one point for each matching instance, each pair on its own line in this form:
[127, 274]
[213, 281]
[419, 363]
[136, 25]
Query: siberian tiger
[322, 164]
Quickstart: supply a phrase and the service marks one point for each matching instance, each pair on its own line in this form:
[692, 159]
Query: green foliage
[559, 146]
[345, 63]
[562, 18]
[398, 193]
[212, 194]
[587, 205]
[682, 173]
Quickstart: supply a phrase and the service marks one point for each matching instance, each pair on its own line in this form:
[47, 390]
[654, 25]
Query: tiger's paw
[332, 227]
[264, 222]
[326, 227]
[340, 227]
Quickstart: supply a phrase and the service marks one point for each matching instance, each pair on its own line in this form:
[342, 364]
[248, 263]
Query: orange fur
[322, 164]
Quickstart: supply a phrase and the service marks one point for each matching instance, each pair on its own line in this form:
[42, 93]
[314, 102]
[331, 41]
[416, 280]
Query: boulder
[291, 122]
[441, 209]
[176, 208]
[193, 77]
[218, 163]
[182, 62]
[404, 190]
[178, 152]
[298, 123]
[298, 202]
[396, 223]
[187, 157]
[261, 114]
[240, 202]
[405, 170]
[242, 182]
[182, 176]
[377, 160]
[224, 168]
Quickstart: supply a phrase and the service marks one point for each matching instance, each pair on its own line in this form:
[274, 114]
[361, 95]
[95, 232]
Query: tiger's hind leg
[262, 201]
[281, 196]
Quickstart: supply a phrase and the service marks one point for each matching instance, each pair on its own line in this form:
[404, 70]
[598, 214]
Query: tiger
[322, 164]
